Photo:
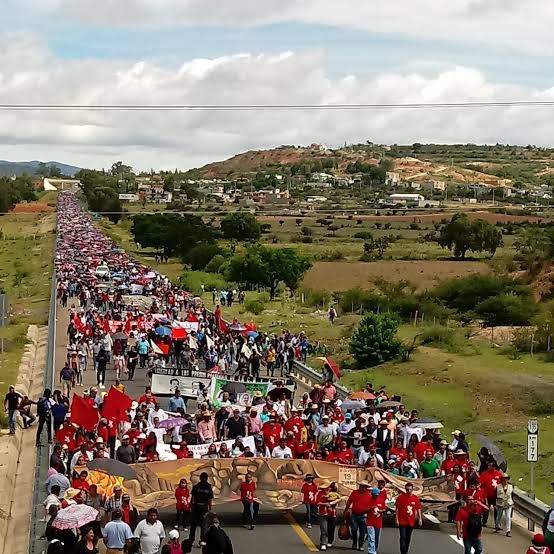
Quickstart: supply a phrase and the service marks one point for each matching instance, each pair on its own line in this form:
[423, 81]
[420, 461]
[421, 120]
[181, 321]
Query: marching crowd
[107, 333]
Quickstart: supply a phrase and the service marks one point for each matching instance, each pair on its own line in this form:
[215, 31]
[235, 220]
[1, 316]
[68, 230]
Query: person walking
[117, 534]
[182, 504]
[408, 515]
[201, 497]
[150, 532]
[327, 499]
[374, 519]
[469, 526]
[250, 506]
[44, 413]
[217, 540]
[357, 504]
[101, 363]
[504, 505]
[309, 492]
[67, 379]
[11, 405]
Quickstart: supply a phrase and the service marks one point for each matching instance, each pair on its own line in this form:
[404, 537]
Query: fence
[36, 522]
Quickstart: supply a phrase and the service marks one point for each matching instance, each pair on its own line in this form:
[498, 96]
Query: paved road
[283, 533]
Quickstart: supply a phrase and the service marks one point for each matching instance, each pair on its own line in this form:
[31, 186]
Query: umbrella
[172, 422]
[113, 467]
[278, 392]
[362, 395]
[494, 451]
[252, 334]
[237, 327]
[74, 516]
[427, 423]
[163, 320]
[389, 404]
[352, 405]
[333, 366]
[119, 336]
[163, 331]
[123, 287]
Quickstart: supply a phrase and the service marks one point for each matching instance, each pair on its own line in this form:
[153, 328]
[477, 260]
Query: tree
[119, 169]
[333, 228]
[306, 231]
[376, 248]
[241, 226]
[374, 341]
[461, 234]
[267, 267]
[507, 309]
[281, 221]
[12, 192]
[201, 255]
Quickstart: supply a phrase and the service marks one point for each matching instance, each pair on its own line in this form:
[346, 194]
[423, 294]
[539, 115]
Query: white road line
[456, 539]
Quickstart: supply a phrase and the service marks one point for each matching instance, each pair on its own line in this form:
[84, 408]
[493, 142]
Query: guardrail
[311, 377]
[36, 523]
[532, 509]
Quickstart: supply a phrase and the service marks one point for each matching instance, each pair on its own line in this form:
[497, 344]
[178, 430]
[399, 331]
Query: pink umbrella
[172, 422]
[74, 516]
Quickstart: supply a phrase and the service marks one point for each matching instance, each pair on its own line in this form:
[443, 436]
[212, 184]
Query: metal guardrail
[310, 376]
[36, 523]
[532, 509]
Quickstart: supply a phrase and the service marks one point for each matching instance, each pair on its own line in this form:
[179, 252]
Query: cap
[364, 484]
[314, 406]
[347, 415]
[174, 534]
[258, 394]
[456, 432]
[375, 491]
[538, 539]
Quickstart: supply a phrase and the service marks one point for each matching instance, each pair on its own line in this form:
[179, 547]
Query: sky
[267, 52]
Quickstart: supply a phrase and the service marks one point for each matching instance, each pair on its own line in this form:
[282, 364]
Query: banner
[198, 450]
[278, 481]
[165, 385]
[240, 392]
[188, 326]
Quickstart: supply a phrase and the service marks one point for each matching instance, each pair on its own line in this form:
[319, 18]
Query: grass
[26, 253]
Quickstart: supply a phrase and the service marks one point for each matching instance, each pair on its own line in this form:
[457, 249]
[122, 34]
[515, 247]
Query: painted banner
[165, 381]
[278, 481]
[198, 450]
[188, 326]
[240, 392]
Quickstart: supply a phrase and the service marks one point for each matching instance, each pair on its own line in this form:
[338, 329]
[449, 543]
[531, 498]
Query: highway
[283, 532]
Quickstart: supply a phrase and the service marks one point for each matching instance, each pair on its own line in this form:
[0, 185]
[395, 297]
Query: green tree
[240, 226]
[201, 255]
[507, 309]
[119, 169]
[374, 341]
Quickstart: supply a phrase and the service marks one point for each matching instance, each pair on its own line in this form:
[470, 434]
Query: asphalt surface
[279, 532]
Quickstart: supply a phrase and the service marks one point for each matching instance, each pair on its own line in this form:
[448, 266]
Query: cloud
[499, 24]
[30, 73]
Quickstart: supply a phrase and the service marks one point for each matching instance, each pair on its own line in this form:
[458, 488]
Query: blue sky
[263, 52]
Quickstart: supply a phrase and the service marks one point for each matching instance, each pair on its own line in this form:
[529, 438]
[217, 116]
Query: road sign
[533, 426]
[532, 440]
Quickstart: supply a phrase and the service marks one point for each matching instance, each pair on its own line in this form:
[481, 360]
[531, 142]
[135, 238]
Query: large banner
[278, 481]
[198, 450]
[165, 381]
[240, 392]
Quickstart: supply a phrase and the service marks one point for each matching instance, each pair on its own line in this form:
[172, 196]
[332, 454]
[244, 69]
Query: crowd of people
[109, 335]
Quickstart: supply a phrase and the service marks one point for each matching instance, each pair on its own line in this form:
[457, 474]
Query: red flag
[333, 366]
[178, 333]
[83, 414]
[115, 405]
[223, 326]
[163, 346]
[251, 326]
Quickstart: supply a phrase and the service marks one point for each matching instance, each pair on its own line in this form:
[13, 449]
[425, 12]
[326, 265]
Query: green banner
[241, 393]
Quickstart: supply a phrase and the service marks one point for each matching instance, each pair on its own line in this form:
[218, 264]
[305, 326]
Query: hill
[497, 165]
[8, 168]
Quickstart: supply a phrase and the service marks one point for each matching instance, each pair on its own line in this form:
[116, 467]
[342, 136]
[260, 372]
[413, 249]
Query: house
[320, 185]
[392, 178]
[434, 186]
[316, 199]
[406, 200]
[321, 177]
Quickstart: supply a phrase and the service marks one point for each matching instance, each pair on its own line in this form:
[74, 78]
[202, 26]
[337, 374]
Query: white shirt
[281, 453]
[150, 535]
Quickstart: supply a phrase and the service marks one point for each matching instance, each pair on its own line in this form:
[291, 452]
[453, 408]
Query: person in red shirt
[306, 449]
[358, 502]
[490, 478]
[469, 526]
[272, 431]
[182, 497]
[327, 499]
[421, 448]
[66, 435]
[292, 443]
[147, 398]
[408, 514]
[309, 492]
[374, 520]
[80, 482]
[341, 454]
[182, 451]
[399, 451]
[448, 465]
[295, 425]
[249, 503]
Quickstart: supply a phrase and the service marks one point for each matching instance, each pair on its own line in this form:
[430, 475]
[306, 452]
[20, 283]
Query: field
[423, 274]
[26, 254]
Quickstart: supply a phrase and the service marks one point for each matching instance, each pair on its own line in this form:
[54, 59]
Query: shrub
[307, 240]
[442, 337]
[317, 298]
[330, 256]
[374, 341]
[215, 264]
[199, 256]
[255, 307]
[358, 299]
[507, 309]
[366, 235]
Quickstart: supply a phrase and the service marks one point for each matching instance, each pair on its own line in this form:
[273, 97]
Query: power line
[274, 107]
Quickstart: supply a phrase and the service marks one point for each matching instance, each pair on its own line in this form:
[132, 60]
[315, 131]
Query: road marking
[431, 518]
[304, 537]
[456, 539]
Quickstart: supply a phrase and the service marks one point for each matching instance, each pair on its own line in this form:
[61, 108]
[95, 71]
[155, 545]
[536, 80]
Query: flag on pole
[84, 414]
[115, 405]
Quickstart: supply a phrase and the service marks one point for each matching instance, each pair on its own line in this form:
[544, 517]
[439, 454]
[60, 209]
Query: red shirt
[359, 501]
[272, 433]
[247, 491]
[400, 453]
[374, 516]
[420, 448]
[463, 517]
[490, 478]
[407, 506]
[322, 498]
[303, 449]
[447, 466]
[480, 496]
[295, 425]
[79, 483]
[182, 496]
[292, 443]
[309, 490]
[341, 457]
[147, 399]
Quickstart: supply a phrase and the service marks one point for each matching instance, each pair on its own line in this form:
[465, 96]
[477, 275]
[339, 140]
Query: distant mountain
[17, 168]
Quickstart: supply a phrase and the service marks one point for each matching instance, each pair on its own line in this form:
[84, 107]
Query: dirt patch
[346, 275]
[32, 207]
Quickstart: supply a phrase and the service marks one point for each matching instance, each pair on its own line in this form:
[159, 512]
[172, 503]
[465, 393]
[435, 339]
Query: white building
[60, 184]
[407, 200]
[434, 186]
[392, 178]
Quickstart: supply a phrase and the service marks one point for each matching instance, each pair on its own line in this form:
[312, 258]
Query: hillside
[8, 168]
[495, 165]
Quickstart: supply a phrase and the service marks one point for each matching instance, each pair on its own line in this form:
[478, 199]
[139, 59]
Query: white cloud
[29, 73]
[513, 24]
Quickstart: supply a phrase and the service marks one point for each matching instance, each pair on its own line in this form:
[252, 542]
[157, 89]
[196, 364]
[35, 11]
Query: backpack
[43, 406]
[474, 525]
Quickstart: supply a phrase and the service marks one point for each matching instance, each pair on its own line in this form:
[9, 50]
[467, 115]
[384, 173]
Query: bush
[330, 256]
[215, 264]
[192, 281]
[507, 309]
[358, 299]
[317, 298]
[255, 307]
[365, 235]
[441, 337]
[374, 341]
[307, 240]
[201, 255]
